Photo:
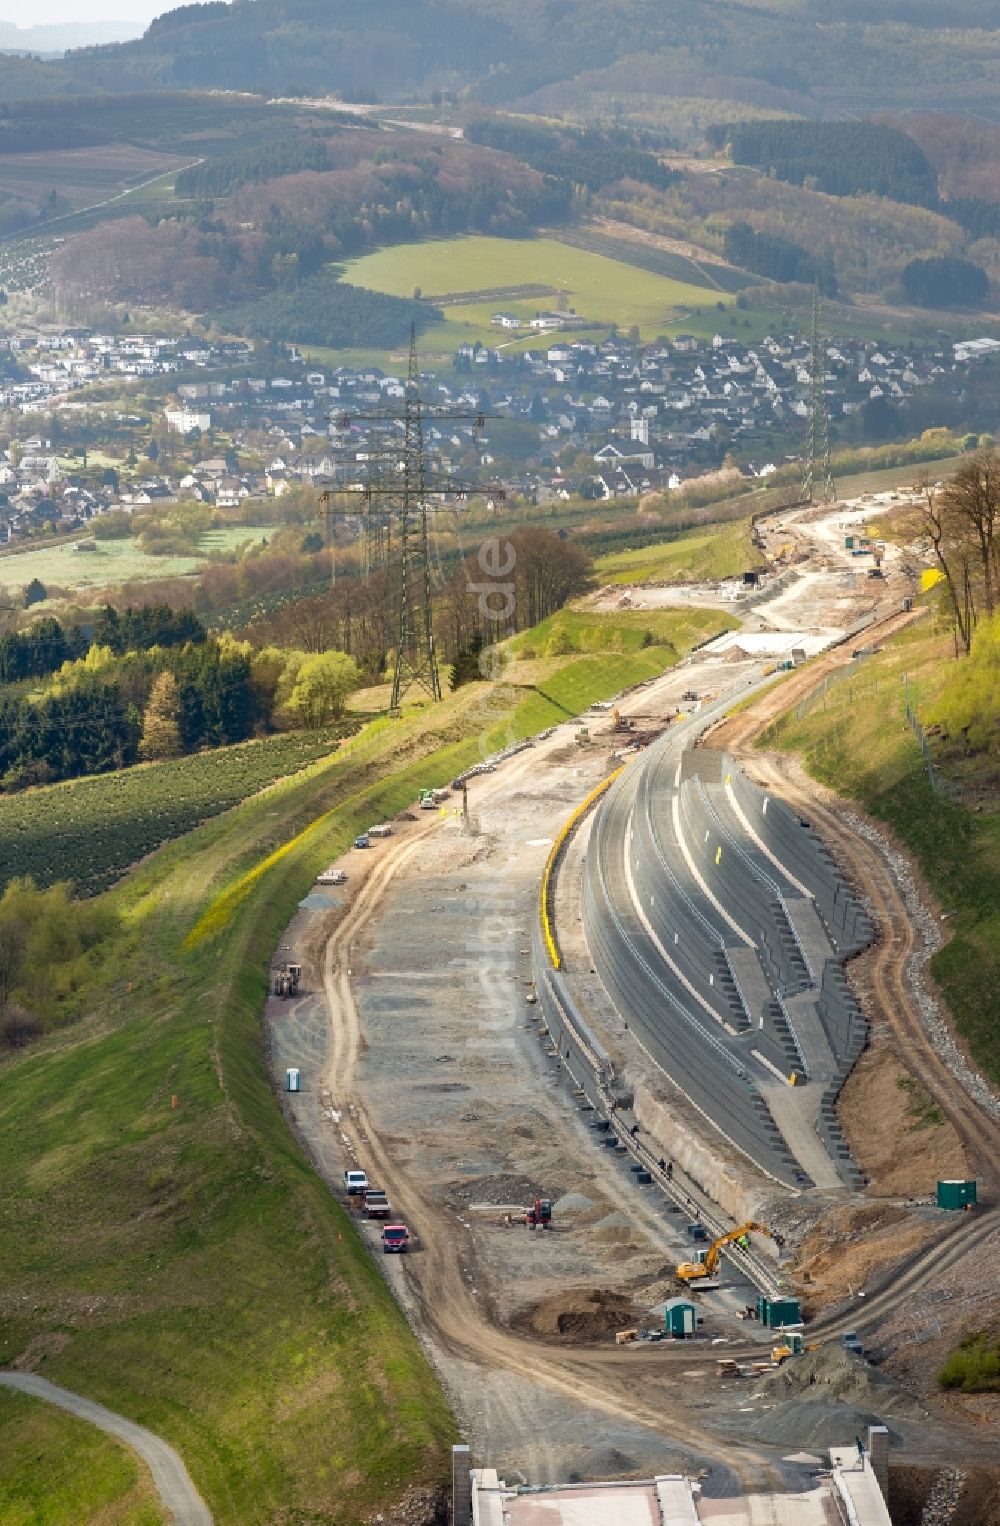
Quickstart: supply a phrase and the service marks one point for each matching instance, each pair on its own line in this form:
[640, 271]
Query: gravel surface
[930, 940]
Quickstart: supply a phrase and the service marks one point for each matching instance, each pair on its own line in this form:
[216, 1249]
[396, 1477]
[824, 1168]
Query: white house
[185, 420]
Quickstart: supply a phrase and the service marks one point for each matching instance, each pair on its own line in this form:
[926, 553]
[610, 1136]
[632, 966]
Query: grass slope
[855, 739]
[580, 630]
[186, 1266]
[86, 1475]
[697, 555]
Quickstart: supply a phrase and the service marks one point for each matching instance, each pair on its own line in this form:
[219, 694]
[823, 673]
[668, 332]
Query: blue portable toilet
[293, 1080]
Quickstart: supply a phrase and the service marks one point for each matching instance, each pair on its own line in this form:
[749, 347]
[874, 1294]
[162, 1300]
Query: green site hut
[680, 1318]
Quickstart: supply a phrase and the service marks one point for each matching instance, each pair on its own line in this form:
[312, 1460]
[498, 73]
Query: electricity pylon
[416, 659]
[395, 515]
[818, 479]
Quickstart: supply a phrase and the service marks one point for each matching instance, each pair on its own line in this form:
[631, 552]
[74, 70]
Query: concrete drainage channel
[580, 1054]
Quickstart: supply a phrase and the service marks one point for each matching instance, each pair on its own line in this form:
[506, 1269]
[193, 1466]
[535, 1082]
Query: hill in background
[59, 37]
[808, 56]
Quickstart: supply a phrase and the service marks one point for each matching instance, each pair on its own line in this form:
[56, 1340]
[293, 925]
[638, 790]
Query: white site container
[293, 1080]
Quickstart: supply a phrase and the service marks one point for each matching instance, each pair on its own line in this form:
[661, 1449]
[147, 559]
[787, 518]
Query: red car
[395, 1239]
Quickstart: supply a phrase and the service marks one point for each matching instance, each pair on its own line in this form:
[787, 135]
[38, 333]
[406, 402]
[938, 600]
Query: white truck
[377, 1204]
[355, 1183]
[383, 830]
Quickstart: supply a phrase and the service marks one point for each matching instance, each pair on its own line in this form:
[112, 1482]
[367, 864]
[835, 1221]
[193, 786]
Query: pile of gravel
[572, 1202]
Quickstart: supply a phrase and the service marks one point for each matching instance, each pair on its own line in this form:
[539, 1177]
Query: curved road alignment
[178, 1495]
[558, 848]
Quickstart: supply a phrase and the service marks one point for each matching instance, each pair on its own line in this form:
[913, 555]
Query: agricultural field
[285, 1373]
[83, 176]
[114, 561]
[885, 479]
[90, 831]
[722, 551]
[602, 290]
[664, 262]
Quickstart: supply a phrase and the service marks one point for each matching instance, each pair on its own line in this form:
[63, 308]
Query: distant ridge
[58, 37]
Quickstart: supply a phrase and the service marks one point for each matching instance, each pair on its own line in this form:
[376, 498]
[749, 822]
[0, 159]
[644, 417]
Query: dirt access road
[420, 1061]
[957, 1276]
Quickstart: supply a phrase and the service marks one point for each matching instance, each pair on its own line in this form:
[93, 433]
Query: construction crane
[691, 1271]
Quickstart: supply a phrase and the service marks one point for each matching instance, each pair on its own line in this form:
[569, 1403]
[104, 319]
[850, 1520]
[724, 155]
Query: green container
[680, 1318]
[775, 1313]
[955, 1195]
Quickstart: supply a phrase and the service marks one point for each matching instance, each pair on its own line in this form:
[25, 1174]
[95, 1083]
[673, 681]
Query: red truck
[395, 1239]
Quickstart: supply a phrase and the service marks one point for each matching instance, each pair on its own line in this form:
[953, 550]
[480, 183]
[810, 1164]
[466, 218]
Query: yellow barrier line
[548, 931]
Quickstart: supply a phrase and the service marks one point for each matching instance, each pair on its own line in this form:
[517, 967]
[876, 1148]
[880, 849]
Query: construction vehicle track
[439, 1272]
[646, 1386]
[890, 1001]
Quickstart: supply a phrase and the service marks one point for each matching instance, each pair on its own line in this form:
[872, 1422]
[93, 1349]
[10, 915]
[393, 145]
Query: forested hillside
[842, 158]
[274, 214]
[839, 49]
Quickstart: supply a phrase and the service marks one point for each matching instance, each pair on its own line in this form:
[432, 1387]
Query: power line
[818, 479]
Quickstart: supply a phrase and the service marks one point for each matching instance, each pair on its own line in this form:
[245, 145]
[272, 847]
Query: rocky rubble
[943, 1499]
[418, 1507]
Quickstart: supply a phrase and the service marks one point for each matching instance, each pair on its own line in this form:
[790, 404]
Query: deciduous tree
[324, 681]
[161, 735]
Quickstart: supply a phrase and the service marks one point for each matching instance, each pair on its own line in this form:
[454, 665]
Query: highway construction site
[690, 1008]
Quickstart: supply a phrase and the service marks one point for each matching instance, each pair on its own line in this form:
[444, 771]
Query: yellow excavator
[690, 1271]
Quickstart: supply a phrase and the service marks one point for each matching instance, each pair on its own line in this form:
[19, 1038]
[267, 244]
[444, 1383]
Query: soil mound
[572, 1202]
[828, 1397]
[604, 1462]
[818, 1425]
[580, 1315]
[832, 1375]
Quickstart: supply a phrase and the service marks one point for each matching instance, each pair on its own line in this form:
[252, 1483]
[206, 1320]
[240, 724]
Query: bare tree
[12, 943]
[935, 520]
[972, 498]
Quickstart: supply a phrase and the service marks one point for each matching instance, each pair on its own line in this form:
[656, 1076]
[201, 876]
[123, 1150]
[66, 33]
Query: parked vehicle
[697, 1232]
[395, 1239]
[377, 1204]
[331, 876]
[383, 830]
[539, 1215]
[286, 979]
[852, 1343]
[355, 1183]
[362, 841]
